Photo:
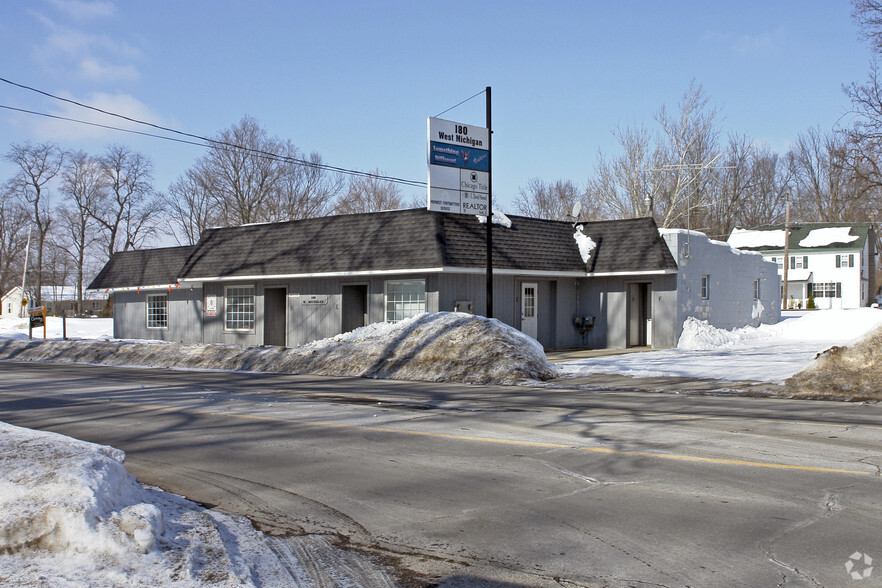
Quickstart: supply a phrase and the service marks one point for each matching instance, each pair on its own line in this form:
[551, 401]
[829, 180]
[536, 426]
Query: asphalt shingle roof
[395, 240]
[419, 239]
[146, 267]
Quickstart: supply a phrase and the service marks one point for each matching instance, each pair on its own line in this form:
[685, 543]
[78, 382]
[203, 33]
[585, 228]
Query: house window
[826, 290]
[845, 260]
[756, 289]
[705, 287]
[404, 299]
[799, 262]
[239, 308]
[157, 311]
[778, 260]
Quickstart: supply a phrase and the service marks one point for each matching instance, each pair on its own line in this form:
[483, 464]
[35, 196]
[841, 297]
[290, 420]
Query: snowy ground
[769, 353]
[71, 516]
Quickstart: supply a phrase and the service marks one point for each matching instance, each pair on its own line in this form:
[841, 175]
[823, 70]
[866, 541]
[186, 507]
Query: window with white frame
[705, 287]
[799, 262]
[777, 260]
[157, 311]
[826, 290]
[239, 308]
[845, 260]
[404, 299]
[756, 289]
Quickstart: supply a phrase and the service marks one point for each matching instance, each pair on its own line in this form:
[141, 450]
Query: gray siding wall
[559, 302]
[732, 273]
[184, 314]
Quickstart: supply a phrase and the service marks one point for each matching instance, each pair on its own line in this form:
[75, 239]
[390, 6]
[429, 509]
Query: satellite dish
[577, 208]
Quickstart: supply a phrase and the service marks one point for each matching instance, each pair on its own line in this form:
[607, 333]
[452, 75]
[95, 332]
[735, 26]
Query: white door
[528, 309]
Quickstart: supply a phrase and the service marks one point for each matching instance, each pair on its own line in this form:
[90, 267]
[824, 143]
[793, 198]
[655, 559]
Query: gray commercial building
[293, 282]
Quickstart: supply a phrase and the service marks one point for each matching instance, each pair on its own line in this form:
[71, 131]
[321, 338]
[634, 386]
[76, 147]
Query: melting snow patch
[499, 218]
[750, 238]
[586, 244]
[828, 236]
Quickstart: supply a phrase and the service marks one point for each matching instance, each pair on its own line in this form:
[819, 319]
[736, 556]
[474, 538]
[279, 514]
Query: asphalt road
[497, 486]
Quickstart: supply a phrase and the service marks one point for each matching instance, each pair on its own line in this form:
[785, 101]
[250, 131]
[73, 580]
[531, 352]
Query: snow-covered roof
[827, 236]
[806, 236]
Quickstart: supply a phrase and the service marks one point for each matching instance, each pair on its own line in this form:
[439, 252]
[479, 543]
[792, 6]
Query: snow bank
[71, 515]
[853, 372]
[433, 347]
[829, 325]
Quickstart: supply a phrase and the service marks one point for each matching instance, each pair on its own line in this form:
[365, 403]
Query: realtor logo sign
[459, 167]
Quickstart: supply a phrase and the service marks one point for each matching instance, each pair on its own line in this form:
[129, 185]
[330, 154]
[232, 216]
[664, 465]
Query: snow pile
[499, 218]
[698, 335]
[853, 372]
[586, 244]
[751, 238]
[433, 347]
[828, 236]
[71, 515]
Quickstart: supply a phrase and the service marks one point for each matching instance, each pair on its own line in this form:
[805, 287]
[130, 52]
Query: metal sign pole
[489, 212]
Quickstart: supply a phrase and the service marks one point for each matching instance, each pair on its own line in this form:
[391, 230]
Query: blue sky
[355, 81]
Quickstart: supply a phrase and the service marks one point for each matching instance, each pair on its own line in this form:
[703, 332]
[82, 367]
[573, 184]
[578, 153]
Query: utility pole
[489, 211]
[24, 274]
[786, 249]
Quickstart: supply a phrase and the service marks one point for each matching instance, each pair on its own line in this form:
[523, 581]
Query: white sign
[211, 306]
[459, 167]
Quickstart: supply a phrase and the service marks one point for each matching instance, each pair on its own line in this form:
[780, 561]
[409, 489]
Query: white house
[10, 303]
[830, 265]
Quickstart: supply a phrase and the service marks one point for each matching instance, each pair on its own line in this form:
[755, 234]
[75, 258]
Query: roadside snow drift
[71, 515]
[853, 372]
[435, 347]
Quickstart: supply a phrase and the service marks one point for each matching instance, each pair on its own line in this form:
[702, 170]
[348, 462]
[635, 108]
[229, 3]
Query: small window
[799, 262]
[239, 308]
[157, 311]
[705, 287]
[404, 299]
[756, 289]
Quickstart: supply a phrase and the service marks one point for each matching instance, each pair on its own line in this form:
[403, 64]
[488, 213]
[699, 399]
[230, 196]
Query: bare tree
[307, 189]
[551, 200]
[668, 174]
[243, 171]
[13, 239]
[190, 208]
[827, 188]
[370, 193]
[37, 167]
[83, 183]
[128, 209]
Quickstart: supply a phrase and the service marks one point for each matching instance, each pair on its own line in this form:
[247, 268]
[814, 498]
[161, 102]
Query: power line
[455, 105]
[204, 141]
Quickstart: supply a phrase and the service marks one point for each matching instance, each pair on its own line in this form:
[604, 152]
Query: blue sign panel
[461, 157]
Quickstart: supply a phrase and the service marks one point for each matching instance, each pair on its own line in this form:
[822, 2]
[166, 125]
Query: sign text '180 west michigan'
[459, 167]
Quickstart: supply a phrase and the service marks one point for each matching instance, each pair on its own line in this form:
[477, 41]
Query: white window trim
[147, 312]
[250, 329]
[705, 287]
[386, 285]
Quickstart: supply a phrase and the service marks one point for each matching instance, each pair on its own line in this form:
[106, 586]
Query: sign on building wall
[459, 167]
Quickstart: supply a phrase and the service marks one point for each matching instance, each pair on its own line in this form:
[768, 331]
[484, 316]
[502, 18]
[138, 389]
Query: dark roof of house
[421, 239]
[145, 267]
[416, 239]
[800, 231]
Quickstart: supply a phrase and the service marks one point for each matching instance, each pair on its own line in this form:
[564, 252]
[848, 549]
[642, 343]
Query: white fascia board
[643, 273]
[425, 270]
[136, 288]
